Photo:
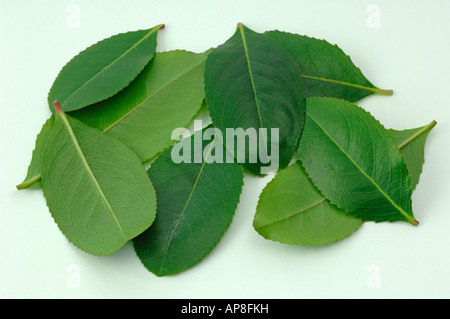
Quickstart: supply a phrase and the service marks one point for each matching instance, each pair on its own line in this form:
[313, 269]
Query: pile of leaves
[105, 157]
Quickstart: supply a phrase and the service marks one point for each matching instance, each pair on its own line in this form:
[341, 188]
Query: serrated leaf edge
[393, 141]
[161, 26]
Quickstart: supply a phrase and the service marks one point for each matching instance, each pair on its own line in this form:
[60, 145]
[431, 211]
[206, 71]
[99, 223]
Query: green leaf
[96, 188]
[326, 71]
[33, 178]
[411, 142]
[165, 96]
[291, 210]
[103, 69]
[354, 162]
[253, 84]
[197, 199]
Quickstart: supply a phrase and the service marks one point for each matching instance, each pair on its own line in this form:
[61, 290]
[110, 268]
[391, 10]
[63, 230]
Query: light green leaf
[197, 199]
[326, 71]
[354, 162]
[252, 84]
[103, 69]
[165, 96]
[412, 144]
[33, 178]
[96, 188]
[291, 210]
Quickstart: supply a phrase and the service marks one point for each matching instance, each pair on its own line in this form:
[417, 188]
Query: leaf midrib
[152, 95]
[151, 31]
[293, 214]
[404, 213]
[186, 204]
[89, 170]
[362, 87]
[244, 43]
[417, 134]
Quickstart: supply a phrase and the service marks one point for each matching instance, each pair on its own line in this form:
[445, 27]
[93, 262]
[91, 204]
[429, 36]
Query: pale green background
[408, 53]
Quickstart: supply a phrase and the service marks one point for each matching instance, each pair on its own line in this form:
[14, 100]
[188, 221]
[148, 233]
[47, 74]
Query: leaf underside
[97, 190]
[33, 177]
[291, 210]
[411, 142]
[166, 95]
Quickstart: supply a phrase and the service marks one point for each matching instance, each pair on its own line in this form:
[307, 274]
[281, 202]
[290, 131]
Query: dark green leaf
[253, 84]
[326, 70]
[354, 162]
[197, 199]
